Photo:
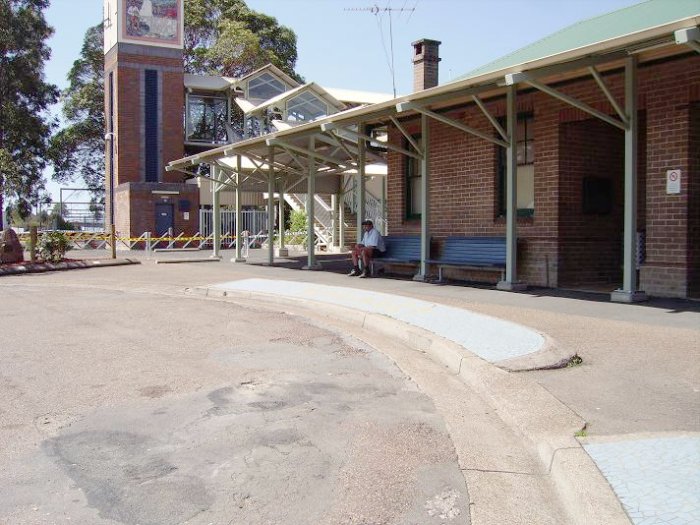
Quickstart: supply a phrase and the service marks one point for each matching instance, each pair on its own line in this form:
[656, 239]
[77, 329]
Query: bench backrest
[475, 250]
[404, 247]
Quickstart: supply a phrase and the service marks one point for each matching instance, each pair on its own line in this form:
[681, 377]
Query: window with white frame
[264, 87]
[414, 184]
[525, 175]
[306, 106]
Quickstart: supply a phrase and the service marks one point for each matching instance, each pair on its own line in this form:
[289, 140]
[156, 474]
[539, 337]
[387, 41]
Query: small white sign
[186, 215]
[673, 181]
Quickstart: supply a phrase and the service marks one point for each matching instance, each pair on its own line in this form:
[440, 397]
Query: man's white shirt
[374, 239]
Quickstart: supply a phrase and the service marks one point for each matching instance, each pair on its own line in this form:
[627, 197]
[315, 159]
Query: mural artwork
[152, 20]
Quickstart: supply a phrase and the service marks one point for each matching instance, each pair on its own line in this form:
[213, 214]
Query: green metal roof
[619, 23]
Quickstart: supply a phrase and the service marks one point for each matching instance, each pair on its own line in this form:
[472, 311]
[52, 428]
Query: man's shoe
[354, 272]
[364, 275]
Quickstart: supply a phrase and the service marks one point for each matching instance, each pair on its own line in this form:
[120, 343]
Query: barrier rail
[101, 240]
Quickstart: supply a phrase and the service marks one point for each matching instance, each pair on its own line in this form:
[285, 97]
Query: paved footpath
[638, 388]
[657, 479]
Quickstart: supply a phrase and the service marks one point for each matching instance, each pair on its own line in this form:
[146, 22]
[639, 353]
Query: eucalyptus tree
[25, 97]
[77, 150]
[226, 37]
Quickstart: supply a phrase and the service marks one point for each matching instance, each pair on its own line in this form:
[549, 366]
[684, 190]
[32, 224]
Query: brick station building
[581, 150]
[572, 145]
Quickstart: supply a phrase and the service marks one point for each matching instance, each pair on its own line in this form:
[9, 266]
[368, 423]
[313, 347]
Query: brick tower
[144, 106]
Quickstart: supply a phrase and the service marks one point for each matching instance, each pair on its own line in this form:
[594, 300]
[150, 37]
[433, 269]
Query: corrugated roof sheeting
[626, 21]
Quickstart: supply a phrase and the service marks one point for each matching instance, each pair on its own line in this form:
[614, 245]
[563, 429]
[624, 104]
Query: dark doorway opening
[164, 218]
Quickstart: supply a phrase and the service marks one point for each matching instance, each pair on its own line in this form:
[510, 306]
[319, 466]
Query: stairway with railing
[323, 214]
[373, 209]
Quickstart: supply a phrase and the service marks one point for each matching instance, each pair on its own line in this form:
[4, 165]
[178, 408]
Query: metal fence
[254, 221]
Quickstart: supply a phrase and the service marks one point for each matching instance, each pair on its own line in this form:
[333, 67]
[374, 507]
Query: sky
[347, 43]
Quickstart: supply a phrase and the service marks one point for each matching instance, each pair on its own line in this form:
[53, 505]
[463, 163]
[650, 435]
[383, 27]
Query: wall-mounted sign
[673, 181]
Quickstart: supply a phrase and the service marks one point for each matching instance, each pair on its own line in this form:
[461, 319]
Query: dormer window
[264, 87]
[306, 106]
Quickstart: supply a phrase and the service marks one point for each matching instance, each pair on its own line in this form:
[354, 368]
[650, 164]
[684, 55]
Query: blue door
[164, 218]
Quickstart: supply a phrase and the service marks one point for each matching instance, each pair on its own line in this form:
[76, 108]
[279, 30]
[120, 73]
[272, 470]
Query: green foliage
[298, 222]
[53, 246]
[298, 226]
[45, 217]
[77, 151]
[226, 37]
[24, 99]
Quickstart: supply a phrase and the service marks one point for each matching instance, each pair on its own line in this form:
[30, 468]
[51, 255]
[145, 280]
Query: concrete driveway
[122, 406]
[126, 400]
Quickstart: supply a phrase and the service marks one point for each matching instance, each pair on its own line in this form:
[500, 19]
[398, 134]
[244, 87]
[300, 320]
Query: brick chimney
[426, 56]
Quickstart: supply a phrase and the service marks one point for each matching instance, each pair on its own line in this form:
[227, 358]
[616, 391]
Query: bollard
[32, 244]
[246, 243]
[148, 243]
[113, 240]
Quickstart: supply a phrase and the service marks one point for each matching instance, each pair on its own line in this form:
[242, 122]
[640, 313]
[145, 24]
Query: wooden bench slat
[480, 253]
[400, 249]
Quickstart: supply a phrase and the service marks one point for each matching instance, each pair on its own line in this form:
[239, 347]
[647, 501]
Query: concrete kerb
[28, 267]
[192, 260]
[546, 425]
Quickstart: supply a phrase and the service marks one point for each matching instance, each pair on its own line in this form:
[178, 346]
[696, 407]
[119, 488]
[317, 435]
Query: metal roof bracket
[367, 138]
[409, 138]
[576, 103]
[303, 151]
[491, 118]
[405, 106]
[604, 87]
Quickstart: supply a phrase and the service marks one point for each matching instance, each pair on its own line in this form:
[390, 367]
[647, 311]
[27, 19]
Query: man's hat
[367, 221]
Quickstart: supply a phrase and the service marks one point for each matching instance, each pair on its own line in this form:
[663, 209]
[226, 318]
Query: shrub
[53, 246]
[298, 222]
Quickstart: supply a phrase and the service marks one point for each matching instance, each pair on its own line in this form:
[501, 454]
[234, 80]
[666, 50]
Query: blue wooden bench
[472, 253]
[400, 249]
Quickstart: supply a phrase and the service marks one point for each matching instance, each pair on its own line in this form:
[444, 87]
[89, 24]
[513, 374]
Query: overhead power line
[376, 10]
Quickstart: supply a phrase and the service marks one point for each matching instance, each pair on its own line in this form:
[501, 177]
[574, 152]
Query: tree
[78, 149]
[222, 37]
[226, 37]
[24, 99]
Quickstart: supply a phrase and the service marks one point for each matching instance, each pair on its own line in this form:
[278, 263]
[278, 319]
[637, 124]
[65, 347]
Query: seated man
[371, 245]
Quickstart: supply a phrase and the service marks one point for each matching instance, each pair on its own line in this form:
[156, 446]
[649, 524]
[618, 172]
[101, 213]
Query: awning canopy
[338, 143]
[337, 135]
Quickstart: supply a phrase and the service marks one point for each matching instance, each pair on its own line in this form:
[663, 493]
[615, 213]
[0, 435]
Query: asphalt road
[138, 407]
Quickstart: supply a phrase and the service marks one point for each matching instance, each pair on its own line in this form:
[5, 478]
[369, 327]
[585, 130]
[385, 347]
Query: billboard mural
[156, 21]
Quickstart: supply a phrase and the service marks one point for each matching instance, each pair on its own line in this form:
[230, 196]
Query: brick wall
[694, 203]
[134, 209]
[668, 93]
[463, 179]
[590, 244]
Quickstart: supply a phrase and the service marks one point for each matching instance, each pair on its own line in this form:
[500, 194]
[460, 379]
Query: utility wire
[376, 10]
[412, 10]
